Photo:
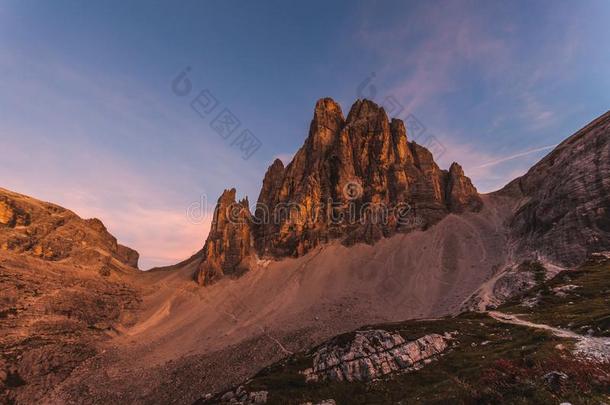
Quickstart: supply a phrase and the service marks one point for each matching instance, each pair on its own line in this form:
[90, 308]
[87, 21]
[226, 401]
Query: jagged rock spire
[346, 171]
[228, 248]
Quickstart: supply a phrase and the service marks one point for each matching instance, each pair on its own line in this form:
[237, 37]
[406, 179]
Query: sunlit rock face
[228, 248]
[50, 232]
[564, 210]
[357, 179]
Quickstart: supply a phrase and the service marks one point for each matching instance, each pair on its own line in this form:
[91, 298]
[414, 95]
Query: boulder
[372, 354]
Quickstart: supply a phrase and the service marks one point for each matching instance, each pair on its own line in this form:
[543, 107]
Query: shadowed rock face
[564, 210]
[268, 197]
[50, 232]
[461, 194]
[357, 179]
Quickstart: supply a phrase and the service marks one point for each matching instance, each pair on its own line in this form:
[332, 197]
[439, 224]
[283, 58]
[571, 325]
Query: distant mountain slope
[66, 287]
[564, 200]
[50, 232]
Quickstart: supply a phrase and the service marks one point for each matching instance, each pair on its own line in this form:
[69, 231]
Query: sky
[94, 115]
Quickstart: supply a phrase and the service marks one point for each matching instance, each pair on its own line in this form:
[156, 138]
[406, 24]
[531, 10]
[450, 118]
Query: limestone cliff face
[356, 179]
[229, 245]
[268, 197]
[564, 210]
[461, 194]
[50, 232]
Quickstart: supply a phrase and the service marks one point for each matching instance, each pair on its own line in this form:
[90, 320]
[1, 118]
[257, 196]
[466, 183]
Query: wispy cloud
[425, 51]
[472, 74]
[513, 156]
[489, 171]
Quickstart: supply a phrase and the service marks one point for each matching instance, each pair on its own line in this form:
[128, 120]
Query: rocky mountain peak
[229, 243]
[456, 169]
[356, 180]
[367, 112]
[328, 113]
[461, 193]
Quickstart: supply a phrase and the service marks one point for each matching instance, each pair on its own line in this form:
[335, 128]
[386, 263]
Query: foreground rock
[372, 354]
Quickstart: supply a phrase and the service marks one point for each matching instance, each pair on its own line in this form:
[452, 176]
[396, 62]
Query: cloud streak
[515, 156]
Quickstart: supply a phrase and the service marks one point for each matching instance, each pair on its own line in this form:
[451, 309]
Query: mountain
[564, 200]
[453, 281]
[67, 286]
[53, 233]
[357, 180]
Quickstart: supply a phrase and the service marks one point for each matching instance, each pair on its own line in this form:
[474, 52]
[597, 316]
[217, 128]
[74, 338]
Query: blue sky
[88, 118]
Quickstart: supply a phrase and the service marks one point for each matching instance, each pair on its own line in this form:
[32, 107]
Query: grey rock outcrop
[372, 354]
[564, 210]
[238, 396]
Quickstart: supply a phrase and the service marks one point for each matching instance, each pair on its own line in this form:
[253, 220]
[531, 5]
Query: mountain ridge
[564, 210]
[357, 179]
[109, 334]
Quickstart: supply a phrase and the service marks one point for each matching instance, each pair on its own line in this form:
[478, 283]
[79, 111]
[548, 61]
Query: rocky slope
[564, 200]
[357, 179]
[557, 351]
[66, 287]
[53, 233]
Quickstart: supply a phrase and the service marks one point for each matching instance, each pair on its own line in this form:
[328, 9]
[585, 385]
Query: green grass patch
[583, 309]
